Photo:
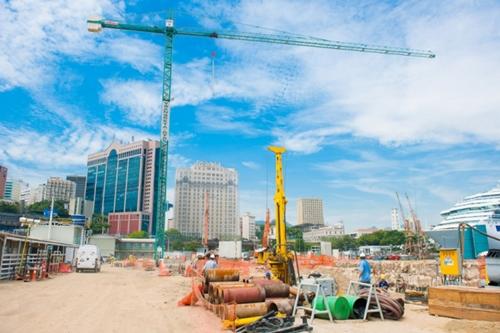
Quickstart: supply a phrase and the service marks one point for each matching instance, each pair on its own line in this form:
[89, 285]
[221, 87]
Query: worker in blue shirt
[364, 269]
[211, 263]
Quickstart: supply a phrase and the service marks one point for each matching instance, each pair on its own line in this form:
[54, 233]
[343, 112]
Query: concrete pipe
[237, 311]
[244, 295]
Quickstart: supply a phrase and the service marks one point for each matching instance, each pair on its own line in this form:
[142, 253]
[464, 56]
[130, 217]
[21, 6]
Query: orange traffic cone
[163, 269]
[186, 300]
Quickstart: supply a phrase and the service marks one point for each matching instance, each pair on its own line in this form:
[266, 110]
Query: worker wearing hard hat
[211, 263]
[364, 269]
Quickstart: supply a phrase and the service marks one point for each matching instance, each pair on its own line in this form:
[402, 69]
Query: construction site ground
[133, 300]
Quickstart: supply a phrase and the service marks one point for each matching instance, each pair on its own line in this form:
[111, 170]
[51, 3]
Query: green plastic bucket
[357, 306]
[339, 307]
[319, 303]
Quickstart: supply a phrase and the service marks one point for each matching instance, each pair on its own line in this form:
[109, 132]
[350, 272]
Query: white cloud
[218, 118]
[451, 99]
[36, 33]
[251, 165]
[139, 100]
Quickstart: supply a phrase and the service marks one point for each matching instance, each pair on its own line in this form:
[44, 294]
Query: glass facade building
[122, 179]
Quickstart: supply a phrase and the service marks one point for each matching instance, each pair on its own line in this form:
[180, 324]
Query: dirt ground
[132, 300]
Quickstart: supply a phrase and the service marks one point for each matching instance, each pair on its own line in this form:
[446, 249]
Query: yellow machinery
[280, 261]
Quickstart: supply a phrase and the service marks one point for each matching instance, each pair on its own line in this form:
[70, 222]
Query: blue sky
[358, 127]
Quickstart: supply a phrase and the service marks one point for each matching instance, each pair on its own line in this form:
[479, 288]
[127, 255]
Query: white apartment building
[248, 226]
[221, 184]
[316, 235]
[395, 219]
[37, 194]
[59, 189]
[310, 211]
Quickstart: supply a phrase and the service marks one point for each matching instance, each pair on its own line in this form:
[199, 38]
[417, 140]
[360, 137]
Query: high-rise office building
[310, 211]
[3, 180]
[221, 184]
[59, 189]
[37, 194]
[248, 226]
[121, 181]
[80, 185]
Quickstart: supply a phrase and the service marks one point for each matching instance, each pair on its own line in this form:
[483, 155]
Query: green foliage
[138, 234]
[192, 245]
[381, 237]
[7, 207]
[259, 230]
[343, 243]
[294, 232]
[99, 224]
[39, 207]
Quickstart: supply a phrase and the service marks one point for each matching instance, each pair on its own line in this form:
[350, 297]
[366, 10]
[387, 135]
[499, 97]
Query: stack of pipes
[237, 302]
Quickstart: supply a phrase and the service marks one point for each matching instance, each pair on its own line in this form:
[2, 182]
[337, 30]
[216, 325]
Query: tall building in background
[310, 211]
[3, 180]
[59, 189]
[80, 185]
[15, 190]
[222, 187]
[395, 219]
[37, 194]
[121, 183]
[248, 226]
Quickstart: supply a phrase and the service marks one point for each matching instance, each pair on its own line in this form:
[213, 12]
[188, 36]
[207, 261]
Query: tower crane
[169, 32]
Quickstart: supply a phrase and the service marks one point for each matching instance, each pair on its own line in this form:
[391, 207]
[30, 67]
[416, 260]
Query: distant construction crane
[416, 227]
[96, 24]
[409, 246]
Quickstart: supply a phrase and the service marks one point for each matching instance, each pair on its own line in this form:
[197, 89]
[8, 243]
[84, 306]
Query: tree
[343, 243]
[39, 207]
[138, 234]
[7, 207]
[382, 237]
[99, 224]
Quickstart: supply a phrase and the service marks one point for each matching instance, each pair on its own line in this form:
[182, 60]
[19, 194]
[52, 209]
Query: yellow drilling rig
[279, 259]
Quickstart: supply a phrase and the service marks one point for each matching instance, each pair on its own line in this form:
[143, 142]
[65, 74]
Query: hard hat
[382, 276]
[212, 256]
[362, 255]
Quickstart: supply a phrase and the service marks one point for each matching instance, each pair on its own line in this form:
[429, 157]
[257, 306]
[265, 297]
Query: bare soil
[133, 300]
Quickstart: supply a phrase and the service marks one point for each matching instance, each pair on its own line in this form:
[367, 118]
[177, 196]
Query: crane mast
[96, 24]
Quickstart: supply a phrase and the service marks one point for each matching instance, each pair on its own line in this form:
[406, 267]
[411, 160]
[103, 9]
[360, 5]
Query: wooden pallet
[465, 302]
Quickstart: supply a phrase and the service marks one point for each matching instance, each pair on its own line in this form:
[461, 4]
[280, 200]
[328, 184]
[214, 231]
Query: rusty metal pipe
[277, 290]
[218, 274]
[244, 295]
[237, 311]
[283, 305]
[212, 287]
[219, 290]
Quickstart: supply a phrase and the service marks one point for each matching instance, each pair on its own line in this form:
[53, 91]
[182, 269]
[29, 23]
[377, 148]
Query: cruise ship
[480, 210]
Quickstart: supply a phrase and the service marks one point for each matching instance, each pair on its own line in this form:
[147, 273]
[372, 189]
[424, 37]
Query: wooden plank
[464, 313]
[465, 302]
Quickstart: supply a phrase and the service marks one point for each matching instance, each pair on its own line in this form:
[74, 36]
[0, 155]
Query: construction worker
[211, 263]
[382, 283]
[364, 269]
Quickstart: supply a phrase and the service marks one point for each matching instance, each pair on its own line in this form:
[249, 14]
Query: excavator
[278, 259]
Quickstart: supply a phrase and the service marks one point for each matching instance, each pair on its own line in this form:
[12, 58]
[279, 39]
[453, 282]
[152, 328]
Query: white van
[88, 257]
